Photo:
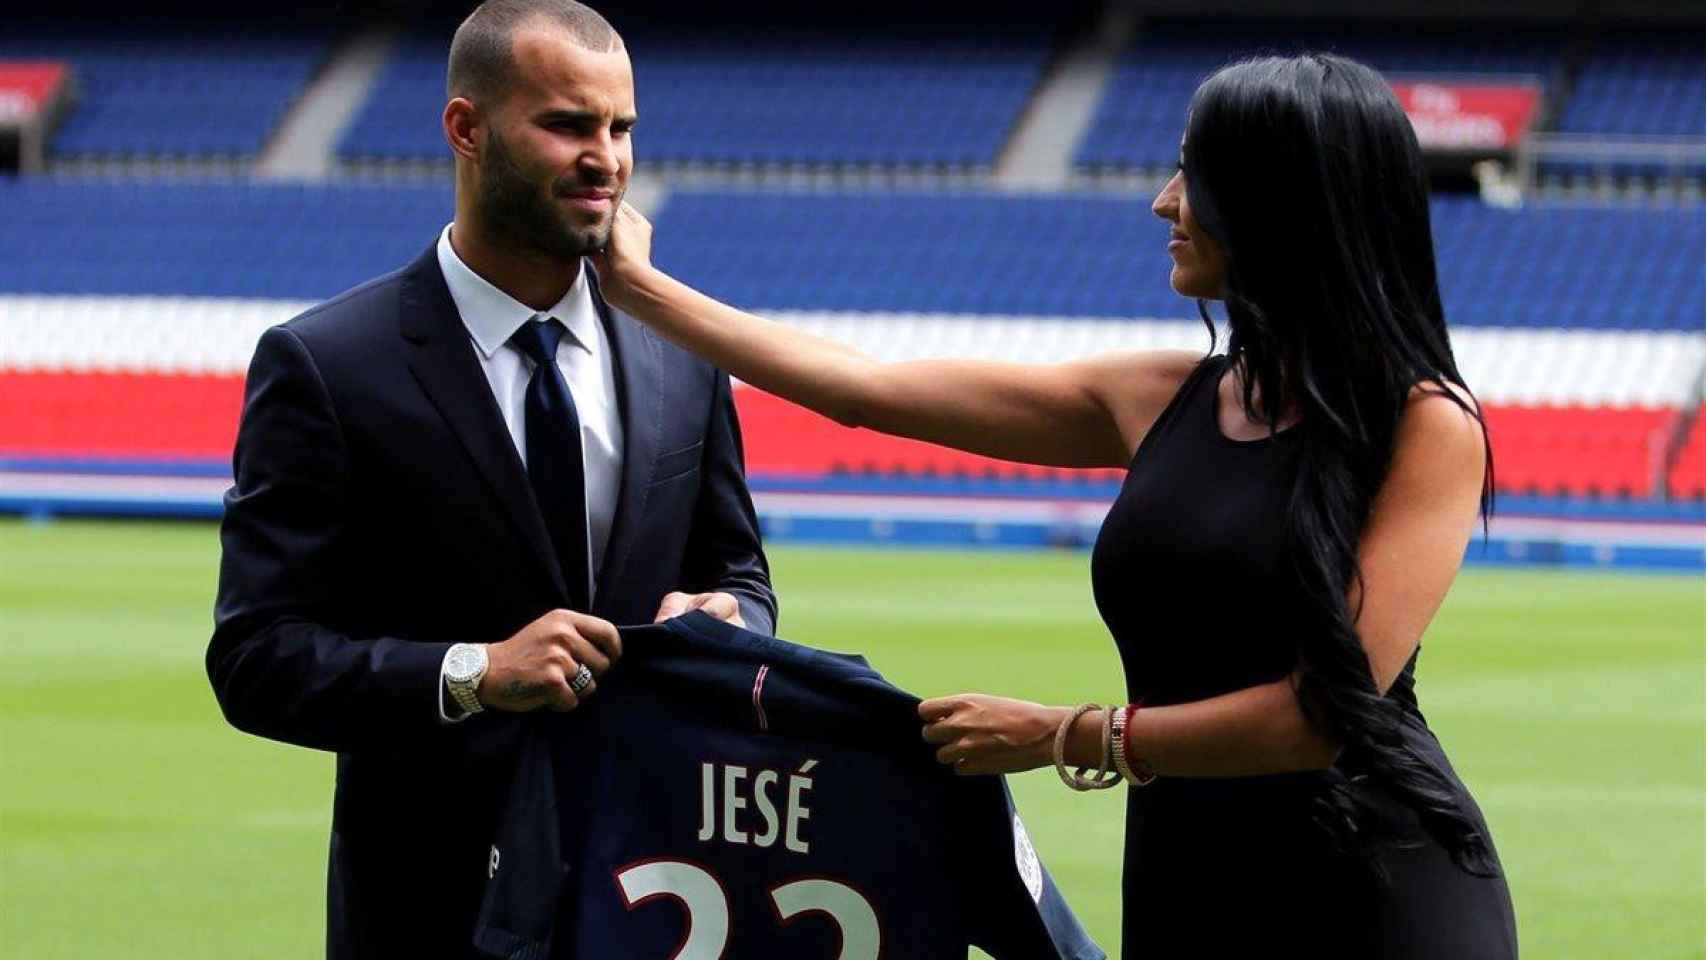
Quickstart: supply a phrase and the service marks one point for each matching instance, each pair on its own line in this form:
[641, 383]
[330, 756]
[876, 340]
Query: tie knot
[539, 339]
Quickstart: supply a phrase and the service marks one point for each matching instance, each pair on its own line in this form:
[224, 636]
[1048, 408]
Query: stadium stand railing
[1636, 107]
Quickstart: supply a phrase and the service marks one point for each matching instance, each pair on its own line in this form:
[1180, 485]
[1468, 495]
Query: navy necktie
[554, 464]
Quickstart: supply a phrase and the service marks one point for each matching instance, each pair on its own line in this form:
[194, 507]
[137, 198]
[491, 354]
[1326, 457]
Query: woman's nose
[1166, 205]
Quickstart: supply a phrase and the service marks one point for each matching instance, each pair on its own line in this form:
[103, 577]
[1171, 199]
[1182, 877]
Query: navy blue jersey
[728, 794]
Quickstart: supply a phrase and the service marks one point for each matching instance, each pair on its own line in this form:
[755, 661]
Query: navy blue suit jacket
[380, 513]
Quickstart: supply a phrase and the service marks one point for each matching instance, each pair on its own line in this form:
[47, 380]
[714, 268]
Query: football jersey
[727, 794]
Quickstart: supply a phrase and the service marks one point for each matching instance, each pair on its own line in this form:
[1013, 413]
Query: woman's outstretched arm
[1409, 552]
[1084, 413]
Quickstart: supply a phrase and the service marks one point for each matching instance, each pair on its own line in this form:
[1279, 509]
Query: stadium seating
[1142, 112]
[1578, 450]
[1548, 266]
[1538, 450]
[1545, 266]
[160, 87]
[1688, 471]
[765, 98]
[232, 239]
[1647, 83]
[790, 441]
[125, 415]
[1562, 265]
[128, 313]
[400, 118]
[1547, 451]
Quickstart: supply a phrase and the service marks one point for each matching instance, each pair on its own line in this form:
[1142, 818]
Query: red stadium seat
[118, 414]
[1580, 451]
[1688, 470]
[782, 438]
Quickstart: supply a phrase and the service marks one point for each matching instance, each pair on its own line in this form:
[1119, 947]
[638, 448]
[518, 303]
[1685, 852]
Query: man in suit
[452, 479]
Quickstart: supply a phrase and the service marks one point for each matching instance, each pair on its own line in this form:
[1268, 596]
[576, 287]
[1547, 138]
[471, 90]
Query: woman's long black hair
[1307, 173]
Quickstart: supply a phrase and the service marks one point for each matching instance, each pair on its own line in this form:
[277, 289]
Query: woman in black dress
[1294, 514]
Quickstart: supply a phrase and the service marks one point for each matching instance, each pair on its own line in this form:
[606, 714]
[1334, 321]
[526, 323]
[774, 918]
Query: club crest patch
[1025, 856]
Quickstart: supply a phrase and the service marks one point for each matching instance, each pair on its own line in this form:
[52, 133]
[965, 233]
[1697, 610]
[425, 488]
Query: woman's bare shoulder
[1439, 425]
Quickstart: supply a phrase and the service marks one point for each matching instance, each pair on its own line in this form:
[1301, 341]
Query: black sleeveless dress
[1188, 576]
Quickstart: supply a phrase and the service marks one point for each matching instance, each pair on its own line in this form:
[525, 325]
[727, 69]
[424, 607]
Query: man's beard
[517, 216]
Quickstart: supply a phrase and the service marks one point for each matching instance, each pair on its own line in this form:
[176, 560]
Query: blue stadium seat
[1142, 113]
[772, 99]
[1641, 83]
[1547, 265]
[172, 88]
[1637, 84]
[1097, 256]
[222, 239]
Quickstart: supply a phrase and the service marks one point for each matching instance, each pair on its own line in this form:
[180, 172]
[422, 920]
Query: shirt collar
[492, 316]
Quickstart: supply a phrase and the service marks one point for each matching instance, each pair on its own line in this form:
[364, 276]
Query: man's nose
[601, 155]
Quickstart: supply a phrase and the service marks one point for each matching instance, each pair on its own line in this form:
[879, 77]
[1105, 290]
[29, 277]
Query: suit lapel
[444, 363]
[638, 365]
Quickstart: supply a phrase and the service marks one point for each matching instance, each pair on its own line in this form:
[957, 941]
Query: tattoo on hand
[522, 690]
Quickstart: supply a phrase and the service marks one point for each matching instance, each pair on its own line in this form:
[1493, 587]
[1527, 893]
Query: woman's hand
[983, 734]
[626, 258]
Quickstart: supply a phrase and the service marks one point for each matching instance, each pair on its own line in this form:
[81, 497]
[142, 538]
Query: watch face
[464, 662]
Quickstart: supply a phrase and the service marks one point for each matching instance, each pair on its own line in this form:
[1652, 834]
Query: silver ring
[581, 680]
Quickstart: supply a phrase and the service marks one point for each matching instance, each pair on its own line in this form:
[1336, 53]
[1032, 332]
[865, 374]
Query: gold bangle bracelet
[1104, 777]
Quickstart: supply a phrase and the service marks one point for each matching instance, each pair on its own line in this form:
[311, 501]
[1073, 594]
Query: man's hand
[533, 668]
[723, 606]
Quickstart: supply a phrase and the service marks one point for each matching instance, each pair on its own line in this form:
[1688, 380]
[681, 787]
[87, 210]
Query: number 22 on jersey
[707, 907]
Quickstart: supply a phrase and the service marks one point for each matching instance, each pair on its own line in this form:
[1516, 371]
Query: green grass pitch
[135, 824]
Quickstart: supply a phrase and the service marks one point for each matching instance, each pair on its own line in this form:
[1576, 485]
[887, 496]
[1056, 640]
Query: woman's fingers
[633, 230]
[967, 760]
[953, 724]
[629, 212]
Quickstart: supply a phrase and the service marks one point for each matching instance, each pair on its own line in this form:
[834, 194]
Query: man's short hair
[482, 52]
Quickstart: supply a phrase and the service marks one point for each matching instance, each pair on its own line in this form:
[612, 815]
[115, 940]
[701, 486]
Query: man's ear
[461, 120]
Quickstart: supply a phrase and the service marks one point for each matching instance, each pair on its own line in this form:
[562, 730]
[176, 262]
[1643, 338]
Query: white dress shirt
[584, 357]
